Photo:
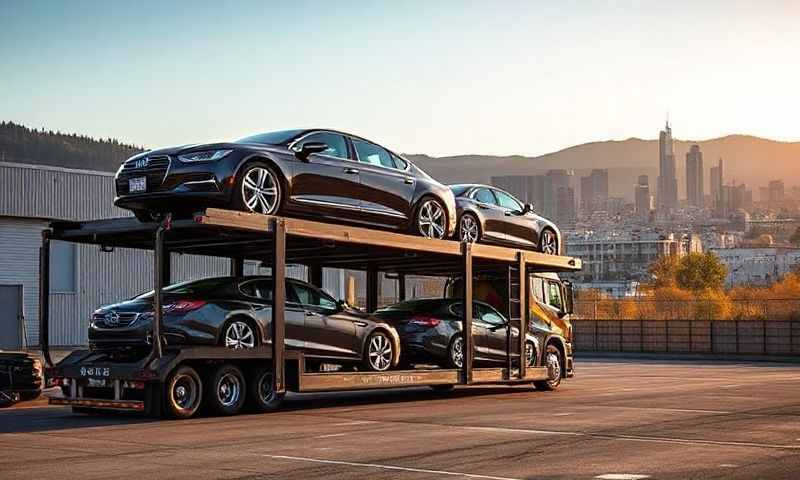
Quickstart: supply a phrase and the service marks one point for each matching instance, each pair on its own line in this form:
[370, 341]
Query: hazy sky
[439, 77]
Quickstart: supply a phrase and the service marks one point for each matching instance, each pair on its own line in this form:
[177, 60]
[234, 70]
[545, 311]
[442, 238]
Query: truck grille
[114, 319]
[154, 168]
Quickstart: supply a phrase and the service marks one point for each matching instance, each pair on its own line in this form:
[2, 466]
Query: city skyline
[440, 78]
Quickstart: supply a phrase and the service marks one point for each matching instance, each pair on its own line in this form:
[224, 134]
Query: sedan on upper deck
[323, 174]
[490, 215]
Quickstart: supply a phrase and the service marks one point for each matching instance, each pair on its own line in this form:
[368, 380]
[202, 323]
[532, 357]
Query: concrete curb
[687, 357]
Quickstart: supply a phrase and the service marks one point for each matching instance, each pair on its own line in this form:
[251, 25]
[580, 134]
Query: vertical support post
[401, 287]
[44, 298]
[466, 333]
[641, 335]
[373, 286]
[166, 269]
[278, 324]
[315, 275]
[523, 312]
[237, 267]
[159, 259]
[510, 314]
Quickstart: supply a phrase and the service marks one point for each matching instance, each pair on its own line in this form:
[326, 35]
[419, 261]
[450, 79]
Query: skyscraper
[716, 188]
[667, 193]
[564, 195]
[643, 198]
[694, 176]
[594, 190]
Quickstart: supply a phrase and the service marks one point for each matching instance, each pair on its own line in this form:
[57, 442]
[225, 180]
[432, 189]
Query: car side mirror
[341, 305]
[527, 208]
[308, 148]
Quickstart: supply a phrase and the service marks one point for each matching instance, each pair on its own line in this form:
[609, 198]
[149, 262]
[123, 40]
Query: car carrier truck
[172, 380]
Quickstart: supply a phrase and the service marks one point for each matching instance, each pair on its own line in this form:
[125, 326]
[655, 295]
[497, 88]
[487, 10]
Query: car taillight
[424, 321]
[183, 306]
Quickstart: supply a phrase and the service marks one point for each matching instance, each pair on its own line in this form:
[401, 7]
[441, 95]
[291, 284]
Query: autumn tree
[701, 271]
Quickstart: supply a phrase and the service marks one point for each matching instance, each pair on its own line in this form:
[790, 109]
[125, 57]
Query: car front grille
[110, 320]
[154, 168]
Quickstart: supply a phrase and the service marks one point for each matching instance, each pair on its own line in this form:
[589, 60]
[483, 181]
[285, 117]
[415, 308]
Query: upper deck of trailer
[226, 233]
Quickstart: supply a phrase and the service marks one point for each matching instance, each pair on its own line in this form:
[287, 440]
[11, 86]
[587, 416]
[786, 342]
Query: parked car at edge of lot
[317, 173]
[236, 313]
[430, 333]
[488, 214]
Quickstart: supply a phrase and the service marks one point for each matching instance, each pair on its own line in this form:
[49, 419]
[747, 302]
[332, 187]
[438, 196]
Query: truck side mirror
[569, 298]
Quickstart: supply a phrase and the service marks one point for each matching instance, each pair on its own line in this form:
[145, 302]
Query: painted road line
[331, 435]
[388, 467]
[622, 476]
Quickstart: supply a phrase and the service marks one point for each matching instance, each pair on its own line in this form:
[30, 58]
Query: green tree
[664, 271]
[701, 271]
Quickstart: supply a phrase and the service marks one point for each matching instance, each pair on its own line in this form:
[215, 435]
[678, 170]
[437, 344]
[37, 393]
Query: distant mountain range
[751, 160]
[747, 159]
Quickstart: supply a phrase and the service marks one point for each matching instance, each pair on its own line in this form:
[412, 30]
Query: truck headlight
[204, 156]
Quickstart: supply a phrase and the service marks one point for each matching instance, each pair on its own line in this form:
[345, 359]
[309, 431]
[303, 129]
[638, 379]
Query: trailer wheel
[261, 397]
[379, 352]
[226, 391]
[184, 392]
[442, 388]
[552, 360]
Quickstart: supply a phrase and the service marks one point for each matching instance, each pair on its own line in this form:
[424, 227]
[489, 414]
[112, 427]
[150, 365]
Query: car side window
[337, 146]
[489, 315]
[261, 289]
[507, 201]
[372, 154]
[311, 297]
[484, 195]
[554, 295]
[399, 162]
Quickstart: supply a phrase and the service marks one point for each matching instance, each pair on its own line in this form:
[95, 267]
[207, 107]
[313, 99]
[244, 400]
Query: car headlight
[204, 156]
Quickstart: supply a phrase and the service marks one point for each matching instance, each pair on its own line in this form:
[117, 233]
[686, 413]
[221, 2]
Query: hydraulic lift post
[44, 298]
[278, 327]
[158, 286]
[523, 313]
[466, 359]
[237, 267]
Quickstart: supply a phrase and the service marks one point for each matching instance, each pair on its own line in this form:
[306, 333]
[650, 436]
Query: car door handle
[351, 171]
[483, 206]
[309, 313]
[507, 213]
[359, 323]
[409, 181]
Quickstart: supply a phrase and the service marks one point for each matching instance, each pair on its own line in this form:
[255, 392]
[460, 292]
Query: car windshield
[272, 138]
[196, 287]
[459, 190]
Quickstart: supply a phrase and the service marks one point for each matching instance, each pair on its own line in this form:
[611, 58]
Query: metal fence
[766, 337]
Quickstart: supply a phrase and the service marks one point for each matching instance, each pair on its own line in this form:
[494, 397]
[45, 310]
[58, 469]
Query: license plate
[96, 382]
[138, 184]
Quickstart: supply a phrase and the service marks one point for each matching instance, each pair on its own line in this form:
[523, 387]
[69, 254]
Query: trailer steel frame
[278, 241]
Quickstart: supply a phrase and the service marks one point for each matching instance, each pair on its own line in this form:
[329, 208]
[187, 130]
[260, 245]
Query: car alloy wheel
[239, 335]
[457, 352]
[431, 219]
[530, 354]
[548, 242]
[468, 229]
[379, 352]
[260, 190]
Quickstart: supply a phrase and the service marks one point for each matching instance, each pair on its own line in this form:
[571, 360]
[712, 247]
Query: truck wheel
[261, 397]
[184, 393]
[552, 360]
[225, 392]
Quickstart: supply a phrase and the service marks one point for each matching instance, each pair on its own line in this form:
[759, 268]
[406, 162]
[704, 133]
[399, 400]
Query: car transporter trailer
[94, 380]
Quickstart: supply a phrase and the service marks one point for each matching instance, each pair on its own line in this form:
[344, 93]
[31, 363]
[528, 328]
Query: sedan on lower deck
[490, 215]
[237, 313]
[430, 332]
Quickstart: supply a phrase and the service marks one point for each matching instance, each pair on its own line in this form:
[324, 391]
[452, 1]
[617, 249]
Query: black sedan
[430, 333]
[490, 215]
[315, 173]
[236, 313]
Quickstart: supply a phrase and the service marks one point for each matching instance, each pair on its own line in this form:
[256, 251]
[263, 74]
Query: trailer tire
[225, 390]
[184, 393]
[442, 388]
[552, 360]
[260, 394]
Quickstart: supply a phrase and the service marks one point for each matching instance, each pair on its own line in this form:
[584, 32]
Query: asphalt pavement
[617, 419]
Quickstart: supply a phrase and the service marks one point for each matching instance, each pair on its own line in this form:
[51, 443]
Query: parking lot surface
[617, 419]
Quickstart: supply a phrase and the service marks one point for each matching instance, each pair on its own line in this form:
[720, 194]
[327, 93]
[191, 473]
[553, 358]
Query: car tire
[455, 352]
[258, 189]
[260, 394]
[379, 352]
[239, 334]
[469, 229]
[184, 393]
[548, 242]
[226, 390]
[530, 362]
[430, 218]
[552, 360]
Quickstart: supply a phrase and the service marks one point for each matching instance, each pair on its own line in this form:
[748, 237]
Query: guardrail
[765, 337]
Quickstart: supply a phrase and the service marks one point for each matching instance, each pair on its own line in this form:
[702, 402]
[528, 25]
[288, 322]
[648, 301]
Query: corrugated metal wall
[34, 191]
